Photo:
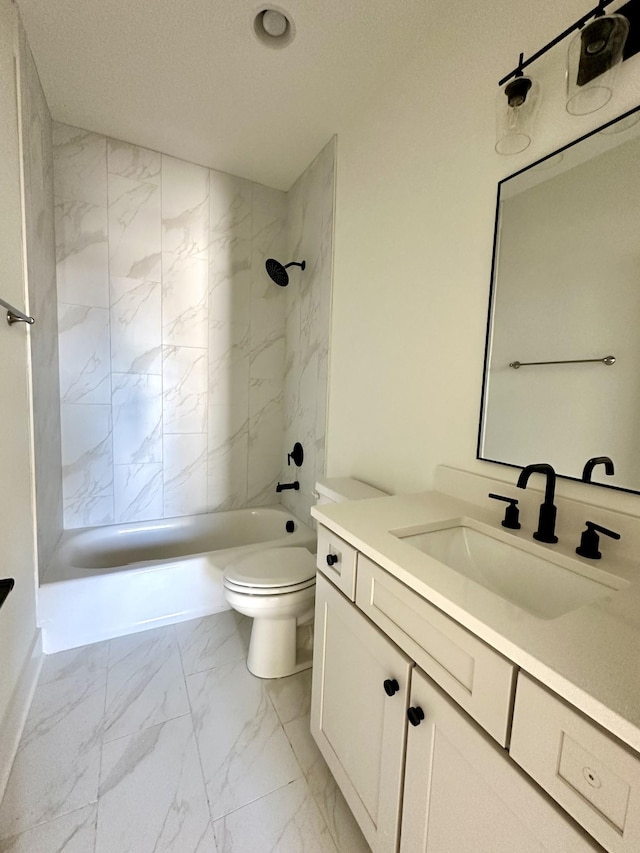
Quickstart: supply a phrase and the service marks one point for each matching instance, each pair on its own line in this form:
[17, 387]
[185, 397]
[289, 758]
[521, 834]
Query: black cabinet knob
[391, 686]
[332, 559]
[415, 715]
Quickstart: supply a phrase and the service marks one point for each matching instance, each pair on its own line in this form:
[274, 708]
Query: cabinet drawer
[593, 776]
[478, 678]
[340, 568]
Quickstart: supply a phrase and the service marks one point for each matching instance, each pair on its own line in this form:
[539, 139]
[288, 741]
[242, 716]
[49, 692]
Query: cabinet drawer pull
[415, 715]
[332, 559]
[391, 686]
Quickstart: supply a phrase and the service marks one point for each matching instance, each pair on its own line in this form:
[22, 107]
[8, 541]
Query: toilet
[276, 588]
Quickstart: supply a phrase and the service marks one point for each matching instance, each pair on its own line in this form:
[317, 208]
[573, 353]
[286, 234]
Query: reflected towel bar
[608, 360]
[14, 315]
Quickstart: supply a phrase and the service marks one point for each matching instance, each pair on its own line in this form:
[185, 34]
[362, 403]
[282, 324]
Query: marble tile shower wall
[171, 336]
[310, 218]
[37, 150]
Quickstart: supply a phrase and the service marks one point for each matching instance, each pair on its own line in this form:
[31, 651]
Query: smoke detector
[273, 27]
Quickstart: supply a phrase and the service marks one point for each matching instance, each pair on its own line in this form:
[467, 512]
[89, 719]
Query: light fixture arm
[596, 12]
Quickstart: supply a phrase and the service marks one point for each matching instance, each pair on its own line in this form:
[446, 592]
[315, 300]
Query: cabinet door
[359, 729]
[464, 795]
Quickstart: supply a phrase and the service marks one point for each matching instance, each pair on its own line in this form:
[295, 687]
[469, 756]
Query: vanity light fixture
[594, 57]
[516, 110]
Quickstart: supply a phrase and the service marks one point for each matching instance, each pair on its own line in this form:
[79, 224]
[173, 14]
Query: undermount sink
[542, 587]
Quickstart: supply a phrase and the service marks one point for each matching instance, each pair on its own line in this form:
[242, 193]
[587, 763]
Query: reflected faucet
[591, 464]
[547, 517]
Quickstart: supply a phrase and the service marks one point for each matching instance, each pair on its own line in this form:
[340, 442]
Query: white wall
[37, 148]
[416, 191]
[18, 635]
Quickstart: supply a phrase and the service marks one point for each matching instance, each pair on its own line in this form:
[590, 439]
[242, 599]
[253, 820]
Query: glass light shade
[594, 58]
[516, 110]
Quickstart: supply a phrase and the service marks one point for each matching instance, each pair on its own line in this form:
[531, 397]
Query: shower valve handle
[296, 456]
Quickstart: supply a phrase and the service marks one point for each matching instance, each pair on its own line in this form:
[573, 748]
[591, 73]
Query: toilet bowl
[276, 588]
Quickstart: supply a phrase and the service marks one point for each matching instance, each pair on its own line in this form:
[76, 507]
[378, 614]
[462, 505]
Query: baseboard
[13, 721]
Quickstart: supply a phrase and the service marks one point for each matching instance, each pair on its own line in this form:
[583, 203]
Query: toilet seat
[270, 572]
[247, 589]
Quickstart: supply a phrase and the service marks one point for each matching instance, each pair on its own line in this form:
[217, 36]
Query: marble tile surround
[163, 325]
[111, 736]
[169, 323]
[310, 217]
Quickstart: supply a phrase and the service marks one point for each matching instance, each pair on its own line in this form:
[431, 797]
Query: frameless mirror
[562, 364]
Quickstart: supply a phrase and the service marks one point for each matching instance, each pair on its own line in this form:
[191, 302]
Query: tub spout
[281, 487]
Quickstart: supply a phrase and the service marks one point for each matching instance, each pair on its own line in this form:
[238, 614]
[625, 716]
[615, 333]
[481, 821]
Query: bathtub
[105, 582]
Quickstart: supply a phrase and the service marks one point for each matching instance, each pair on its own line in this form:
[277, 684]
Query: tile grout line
[193, 729]
[306, 777]
[104, 720]
[113, 449]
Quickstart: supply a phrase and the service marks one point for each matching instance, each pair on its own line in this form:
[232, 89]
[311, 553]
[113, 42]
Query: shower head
[278, 273]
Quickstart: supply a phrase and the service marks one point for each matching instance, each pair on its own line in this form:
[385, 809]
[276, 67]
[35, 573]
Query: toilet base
[278, 647]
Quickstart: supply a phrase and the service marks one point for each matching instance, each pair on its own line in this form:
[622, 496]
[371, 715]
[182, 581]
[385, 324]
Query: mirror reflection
[562, 367]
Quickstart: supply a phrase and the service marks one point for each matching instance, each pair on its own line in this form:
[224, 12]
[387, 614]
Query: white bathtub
[105, 582]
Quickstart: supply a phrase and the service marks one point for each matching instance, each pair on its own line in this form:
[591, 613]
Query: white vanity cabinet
[359, 728]
[441, 786]
[463, 795]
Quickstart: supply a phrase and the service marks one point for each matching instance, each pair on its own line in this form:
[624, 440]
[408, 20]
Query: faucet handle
[512, 513]
[589, 541]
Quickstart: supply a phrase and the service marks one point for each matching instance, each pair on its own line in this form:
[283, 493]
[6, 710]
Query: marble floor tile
[285, 821]
[58, 762]
[332, 805]
[145, 683]
[84, 662]
[213, 641]
[152, 798]
[245, 747]
[334, 809]
[291, 696]
[244, 751]
[71, 833]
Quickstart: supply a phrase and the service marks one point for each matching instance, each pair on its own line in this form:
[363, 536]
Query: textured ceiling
[190, 78]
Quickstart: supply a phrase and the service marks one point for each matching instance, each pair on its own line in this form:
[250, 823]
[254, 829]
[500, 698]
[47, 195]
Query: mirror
[562, 364]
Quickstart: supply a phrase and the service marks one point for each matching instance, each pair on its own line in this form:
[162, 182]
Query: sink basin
[541, 586]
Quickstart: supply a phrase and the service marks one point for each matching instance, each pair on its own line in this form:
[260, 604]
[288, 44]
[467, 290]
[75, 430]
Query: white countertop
[590, 656]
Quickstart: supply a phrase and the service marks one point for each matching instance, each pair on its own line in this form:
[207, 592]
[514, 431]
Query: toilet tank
[337, 489]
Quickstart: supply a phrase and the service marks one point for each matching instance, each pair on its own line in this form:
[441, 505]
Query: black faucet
[547, 517]
[591, 464]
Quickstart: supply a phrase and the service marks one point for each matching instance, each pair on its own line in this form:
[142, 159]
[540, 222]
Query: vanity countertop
[590, 656]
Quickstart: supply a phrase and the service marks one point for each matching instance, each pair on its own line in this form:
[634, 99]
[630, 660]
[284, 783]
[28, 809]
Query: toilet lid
[275, 567]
